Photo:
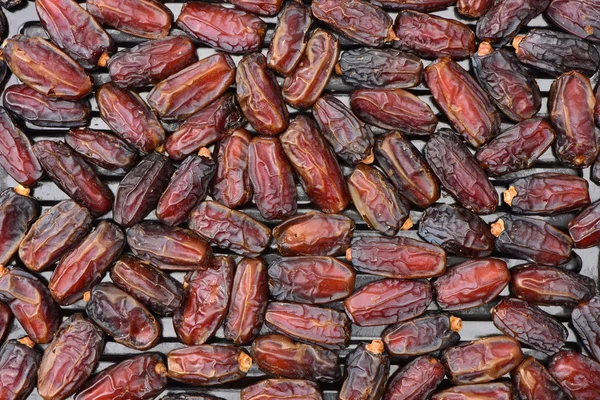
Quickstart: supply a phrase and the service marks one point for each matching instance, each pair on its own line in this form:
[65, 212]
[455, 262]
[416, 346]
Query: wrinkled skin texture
[101, 149]
[388, 301]
[483, 391]
[289, 40]
[6, 320]
[17, 214]
[416, 380]
[578, 375]
[18, 370]
[367, 369]
[473, 8]
[584, 229]
[288, 389]
[419, 5]
[533, 381]
[577, 17]
[505, 18]
[260, 7]
[471, 284]
[585, 318]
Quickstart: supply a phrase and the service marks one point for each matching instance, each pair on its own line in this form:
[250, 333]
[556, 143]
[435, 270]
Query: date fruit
[19, 361]
[533, 381]
[586, 319]
[416, 380]
[17, 214]
[577, 374]
[101, 149]
[584, 229]
[367, 369]
[482, 391]
[260, 7]
[282, 389]
[289, 40]
[419, 5]
[6, 320]
[577, 17]
[505, 19]
[473, 8]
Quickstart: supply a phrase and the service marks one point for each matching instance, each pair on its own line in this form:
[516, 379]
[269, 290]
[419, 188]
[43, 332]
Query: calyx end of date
[160, 369]
[87, 296]
[455, 323]
[516, 41]
[497, 227]
[509, 195]
[26, 340]
[103, 60]
[407, 224]
[349, 254]
[484, 49]
[375, 347]
[244, 362]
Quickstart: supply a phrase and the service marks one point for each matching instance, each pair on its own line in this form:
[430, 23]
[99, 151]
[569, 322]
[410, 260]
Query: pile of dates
[204, 239]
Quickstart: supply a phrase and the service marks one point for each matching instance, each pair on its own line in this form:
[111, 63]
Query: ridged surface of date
[504, 19]
[101, 149]
[289, 39]
[19, 361]
[416, 380]
[473, 8]
[6, 320]
[367, 369]
[17, 214]
[482, 391]
[577, 374]
[586, 320]
[533, 381]
[578, 17]
[260, 7]
[584, 229]
[282, 389]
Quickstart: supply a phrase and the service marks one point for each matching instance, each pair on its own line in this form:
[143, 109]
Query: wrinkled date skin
[289, 40]
[430, 332]
[304, 86]
[249, 297]
[367, 369]
[280, 356]
[151, 62]
[129, 117]
[140, 190]
[533, 381]
[482, 360]
[510, 86]
[516, 148]
[123, 317]
[504, 19]
[45, 68]
[193, 88]
[205, 127]
[206, 301]
[380, 68]
[577, 17]
[282, 389]
[138, 378]
[260, 7]
[272, 178]
[471, 284]
[551, 286]
[314, 234]
[6, 320]
[227, 29]
[456, 92]
[532, 239]
[397, 257]
[73, 176]
[430, 36]
[363, 22]
[157, 290]
[584, 229]
[102, 149]
[349, 137]
[147, 19]
[473, 8]
[376, 200]
[316, 165]
[309, 324]
[231, 184]
[483, 391]
[70, 358]
[31, 303]
[530, 325]
[87, 263]
[16, 154]
[577, 374]
[420, 5]
[388, 301]
[586, 319]
[41, 110]
[460, 173]
[313, 280]
[229, 229]
[417, 380]
[188, 187]
[393, 109]
[17, 214]
[19, 362]
[456, 230]
[208, 365]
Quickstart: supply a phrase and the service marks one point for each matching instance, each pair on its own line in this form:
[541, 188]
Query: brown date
[367, 369]
[190, 396]
[314, 234]
[505, 19]
[85, 265]
[578, 17]
[388, 301]
[420, 5]
[280, 356]
[289, 40]
[70, 358]
[430, 36]
[229, 229]
[141, 377]
[586, 318]
[150, 62]
[416, 380]
[533, 381]
[249, 297]
[157, 290]
[397, 257]
[122, 317]
[45, 68]
[473, 8]
[303, 87]
[578, 375]
[101, 149]
[6, 320]
[584, 229]
[148, 19]
[482, 391]
[532, 239]
[140, 190]
[206, 301]
[17, 213]
[312, 280]
[31, 303]
[471, 284]
[260, 7]
[208, 365]
[432, 331]
[455, 91]
[316, 165]
[193, 88]
[19, 361]
[271, 389]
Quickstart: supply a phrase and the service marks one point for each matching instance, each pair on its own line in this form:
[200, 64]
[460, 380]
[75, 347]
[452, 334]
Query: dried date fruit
[577, 374]
[533, 381]
[314, 234]
[17, 213]
[388, 301]
[532, 239]
[577, 17]
[86, 264]
[19, 362]
[419, 5]
[122, 317]
[506, 18]
[150, 62]
[260, 7]
[473, 8]
[140, 190]
[312, 280]
[471, 284]
[282, 389]
[584, 229]
[367, 369]
[190, 396]
[6, 319]
[229, 229]
[208, 365]
[70, 358]
[280, 356]
[482, 391]
[289, 40]
[101, 149]
[585, 318]
[206, 301]
[416, 380]
[316, 165]
[430, 36]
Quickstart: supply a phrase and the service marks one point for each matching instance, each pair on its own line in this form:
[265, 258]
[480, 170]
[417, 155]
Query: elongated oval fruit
[504, 19]
[260, 7]
[282, 388]
[584, 229]
[493, 390]
[102, 149]
[6, 320]
[17, 213]
[19, 360]
[367, 369]
[533, 381]
[416, 380]
[473, 8]
[576, 374]
[576, 17]
[585, 318]
[419, 5]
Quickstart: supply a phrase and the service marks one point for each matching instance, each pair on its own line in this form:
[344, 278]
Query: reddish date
[367, 369]
[420, 5]
[19, 362]
[17, 213]
[101, 149]
[584, 229]
[577, 17]
[282, 389]
[260, 7]
[578, 375]
[504, 19]
[6, 320]
[483, 391]
[289, 40]
[473, 8]
[416, 380]
[533, 381]
[586, 318]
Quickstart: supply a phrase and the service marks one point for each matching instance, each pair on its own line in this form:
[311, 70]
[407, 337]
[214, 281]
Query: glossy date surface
[504, 19]
[577, 374]
[367, 369]
[289, 40]
[586, 318]
[416, 380]
[533, 381]
[17, 213]
[19, 361]
[282, 389]
[577, 17]
[584, 229]
[101, 149]
[483, 391]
